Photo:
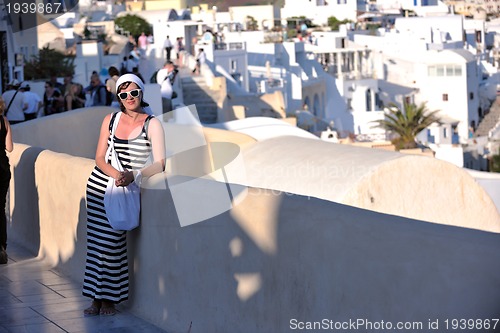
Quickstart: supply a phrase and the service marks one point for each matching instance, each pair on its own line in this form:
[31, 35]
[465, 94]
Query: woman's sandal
[107, 309]
[92, 310]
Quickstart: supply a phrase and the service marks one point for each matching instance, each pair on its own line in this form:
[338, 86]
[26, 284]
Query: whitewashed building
[420, 7]
[427, 55]
[320, 10]
[12, 56]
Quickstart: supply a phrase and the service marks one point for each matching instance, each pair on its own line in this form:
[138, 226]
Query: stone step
[196, 93]
[195, 85]
[198, 89]
[203, 97]
[193, 78]
[200, 98]
[190, 82]
[205, 106]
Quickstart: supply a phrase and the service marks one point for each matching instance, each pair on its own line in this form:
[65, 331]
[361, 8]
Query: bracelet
[138, 178]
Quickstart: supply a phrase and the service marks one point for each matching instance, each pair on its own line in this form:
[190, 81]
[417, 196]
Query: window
[378, 102]
[430, 137]
[369, 100]
[445, 97]
[444, 70]
[471, 96]
[24, 51]
[478, 37]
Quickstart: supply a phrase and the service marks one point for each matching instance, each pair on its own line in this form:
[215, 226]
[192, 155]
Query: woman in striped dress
[137, 136]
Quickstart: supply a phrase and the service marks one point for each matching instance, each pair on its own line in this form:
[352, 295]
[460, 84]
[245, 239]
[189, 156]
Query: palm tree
[407, 123]
[495, 162]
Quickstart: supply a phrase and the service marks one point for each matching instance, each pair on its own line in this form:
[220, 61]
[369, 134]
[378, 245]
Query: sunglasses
[134, 93]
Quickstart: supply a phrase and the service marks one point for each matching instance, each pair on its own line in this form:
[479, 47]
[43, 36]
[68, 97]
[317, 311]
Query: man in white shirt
[167, 45]
[165, 77]
[14, 112]
[32, 100]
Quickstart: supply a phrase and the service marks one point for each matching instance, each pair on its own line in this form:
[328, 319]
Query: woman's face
[131, 103]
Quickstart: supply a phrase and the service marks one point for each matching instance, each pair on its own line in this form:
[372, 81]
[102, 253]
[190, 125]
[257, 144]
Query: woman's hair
[112, 71]
[2, 105]
[69, 90]
[80, 87]
[122, 86]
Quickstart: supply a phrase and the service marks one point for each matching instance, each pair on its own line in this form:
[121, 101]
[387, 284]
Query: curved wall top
[262, 128]
[417, 187]
[74, 132]
[411, 186]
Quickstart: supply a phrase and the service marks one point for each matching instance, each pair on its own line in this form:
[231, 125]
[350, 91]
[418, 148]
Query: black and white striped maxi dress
[106, 269]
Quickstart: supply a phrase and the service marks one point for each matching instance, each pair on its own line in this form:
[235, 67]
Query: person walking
[179, 47]
[14, 101]
[201, 58]
[167, 45]
[142, 41]
[6, 145]
[165, 78]
[137, 136]
[53, 100]
[31, 100]
[114, 75]
[97, 91]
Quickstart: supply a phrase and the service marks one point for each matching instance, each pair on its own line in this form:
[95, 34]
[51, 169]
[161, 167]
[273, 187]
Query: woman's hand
[125, 178]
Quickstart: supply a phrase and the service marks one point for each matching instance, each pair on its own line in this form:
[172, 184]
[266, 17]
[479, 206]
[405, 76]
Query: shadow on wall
[24, 206]
[47, 206]
[275, 258]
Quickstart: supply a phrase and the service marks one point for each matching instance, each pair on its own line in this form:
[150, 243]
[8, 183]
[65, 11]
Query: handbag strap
[10, 103]
[115, 118]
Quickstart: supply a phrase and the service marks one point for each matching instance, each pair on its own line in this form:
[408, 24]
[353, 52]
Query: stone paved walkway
[37, 299]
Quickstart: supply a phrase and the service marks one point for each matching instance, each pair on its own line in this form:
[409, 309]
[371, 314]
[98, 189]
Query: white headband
[130, 78]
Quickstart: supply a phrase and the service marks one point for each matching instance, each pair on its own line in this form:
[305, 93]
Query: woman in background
[73, 99]
[6, 145]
